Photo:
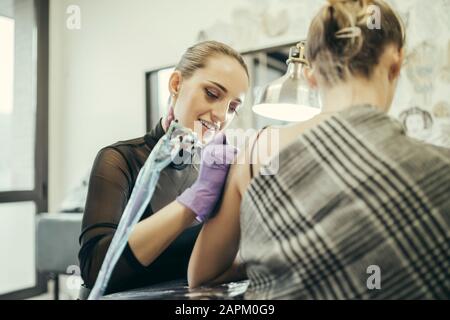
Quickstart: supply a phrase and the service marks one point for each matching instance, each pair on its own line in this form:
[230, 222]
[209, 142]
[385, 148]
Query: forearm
[218, 242]
[152, 236]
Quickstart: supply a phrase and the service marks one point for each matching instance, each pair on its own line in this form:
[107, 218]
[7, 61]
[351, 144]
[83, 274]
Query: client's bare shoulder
[269, 143]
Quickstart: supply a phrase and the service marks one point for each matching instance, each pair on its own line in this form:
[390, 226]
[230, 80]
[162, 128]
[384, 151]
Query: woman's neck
[351, 93]
[164, 123]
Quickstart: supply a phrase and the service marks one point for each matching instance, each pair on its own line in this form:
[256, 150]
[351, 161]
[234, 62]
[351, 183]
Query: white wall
[97, 92]
[97, 73]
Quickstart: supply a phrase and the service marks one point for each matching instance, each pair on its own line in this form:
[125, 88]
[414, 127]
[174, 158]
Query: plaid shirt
[351, 193]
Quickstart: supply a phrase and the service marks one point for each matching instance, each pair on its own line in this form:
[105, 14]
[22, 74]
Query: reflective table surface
[178, 290]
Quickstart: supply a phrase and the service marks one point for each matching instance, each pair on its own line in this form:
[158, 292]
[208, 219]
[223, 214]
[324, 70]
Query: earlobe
[394, 70]
[310, 77]
[175, 82]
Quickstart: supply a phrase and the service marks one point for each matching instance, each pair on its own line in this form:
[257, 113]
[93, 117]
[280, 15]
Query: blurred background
[78, 75]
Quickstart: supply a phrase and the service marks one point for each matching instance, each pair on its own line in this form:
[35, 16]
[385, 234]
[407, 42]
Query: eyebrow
[223, 89]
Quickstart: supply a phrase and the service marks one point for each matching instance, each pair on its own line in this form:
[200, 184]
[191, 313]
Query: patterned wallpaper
[422, 101]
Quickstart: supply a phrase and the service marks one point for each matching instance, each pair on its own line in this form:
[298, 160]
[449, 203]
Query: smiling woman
[206, 88]
[208, 85]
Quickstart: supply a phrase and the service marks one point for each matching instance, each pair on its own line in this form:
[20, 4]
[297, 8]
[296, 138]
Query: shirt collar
[152, 137]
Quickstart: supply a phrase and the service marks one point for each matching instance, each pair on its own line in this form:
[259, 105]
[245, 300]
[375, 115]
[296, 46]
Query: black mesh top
[112, 179]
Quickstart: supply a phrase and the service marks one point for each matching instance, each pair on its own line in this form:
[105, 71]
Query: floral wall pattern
[422, 102]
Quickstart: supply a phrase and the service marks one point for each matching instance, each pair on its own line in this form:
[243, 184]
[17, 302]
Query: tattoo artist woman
[208, 85]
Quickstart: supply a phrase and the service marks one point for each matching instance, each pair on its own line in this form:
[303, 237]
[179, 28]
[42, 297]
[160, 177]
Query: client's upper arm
[218, 242]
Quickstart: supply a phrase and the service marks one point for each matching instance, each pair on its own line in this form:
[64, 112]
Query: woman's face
[211, 97]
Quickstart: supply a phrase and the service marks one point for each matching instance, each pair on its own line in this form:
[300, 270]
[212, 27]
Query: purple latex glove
[203, 195]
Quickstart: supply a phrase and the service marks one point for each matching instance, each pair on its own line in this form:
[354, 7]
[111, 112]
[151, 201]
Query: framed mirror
[265, 65]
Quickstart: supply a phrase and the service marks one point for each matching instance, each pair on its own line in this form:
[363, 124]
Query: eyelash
[215, 97]
[211, 95]
[235, 111]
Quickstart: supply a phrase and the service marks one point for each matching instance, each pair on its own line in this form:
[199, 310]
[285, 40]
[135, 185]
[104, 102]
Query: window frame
[39, 194]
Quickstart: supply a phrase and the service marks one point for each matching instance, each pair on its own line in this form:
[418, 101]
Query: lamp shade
[289, 98]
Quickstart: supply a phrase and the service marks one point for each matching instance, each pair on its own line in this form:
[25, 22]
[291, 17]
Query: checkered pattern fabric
[351, 193]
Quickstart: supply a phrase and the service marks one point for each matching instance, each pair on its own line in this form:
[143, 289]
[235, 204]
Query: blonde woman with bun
[357, 210]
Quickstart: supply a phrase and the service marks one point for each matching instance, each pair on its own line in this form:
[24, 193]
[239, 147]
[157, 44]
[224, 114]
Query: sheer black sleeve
[110, 187]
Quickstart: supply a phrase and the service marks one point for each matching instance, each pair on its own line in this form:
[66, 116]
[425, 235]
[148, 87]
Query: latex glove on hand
[203, 195]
